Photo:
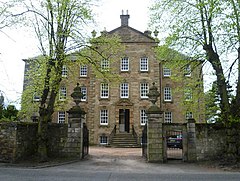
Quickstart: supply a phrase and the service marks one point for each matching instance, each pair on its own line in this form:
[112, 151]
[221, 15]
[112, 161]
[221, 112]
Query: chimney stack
[124, 18]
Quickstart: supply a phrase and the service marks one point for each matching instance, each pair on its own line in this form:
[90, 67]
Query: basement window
[103, 140]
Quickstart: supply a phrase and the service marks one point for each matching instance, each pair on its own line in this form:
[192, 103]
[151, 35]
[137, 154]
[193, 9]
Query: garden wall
[213, 140]
[18, 140]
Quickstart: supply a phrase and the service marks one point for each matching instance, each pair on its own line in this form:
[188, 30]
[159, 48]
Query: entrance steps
[124, 140]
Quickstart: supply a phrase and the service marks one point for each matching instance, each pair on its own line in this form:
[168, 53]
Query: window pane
[83, 71]
[144, 64]
[103, 140]
[124, 90]
[166, 72]
[168, 117]
[188, 94]
[167, 94]
[104, 90]
[105, 65]
[144, 90]
[189, 115]
[64, 71]
[63, 93]
[104, 117]
[84, 92]
[61, 117]
[187, 72]
[125, 64]
[143, 117]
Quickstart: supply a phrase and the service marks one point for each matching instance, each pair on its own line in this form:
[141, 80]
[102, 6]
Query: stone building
[121, 107]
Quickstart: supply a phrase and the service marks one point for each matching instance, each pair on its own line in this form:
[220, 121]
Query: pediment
[131, 35]
[124, 102]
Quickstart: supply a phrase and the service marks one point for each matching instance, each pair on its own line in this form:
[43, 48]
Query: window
[187, 71]
[64, 71]
[188, 94]
[144, 90]
[36, 97]
[124, 90]
[83, 71]
[168, 117]
[166, 72]
[84, 92]
[144, 64]
[167, 94]
[61, 117]
[125, 64]
[105, 65]
[104, 90]
[103, 140]
[189, 115]
[143, 117]
[63, 93]
[103, 117]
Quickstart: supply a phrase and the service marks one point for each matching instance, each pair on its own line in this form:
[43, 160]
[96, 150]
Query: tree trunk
[213, 58]
[235, 108]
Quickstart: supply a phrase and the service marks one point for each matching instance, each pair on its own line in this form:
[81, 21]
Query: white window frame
[143, 117]
[124, 90]
[166, 72]
[144, 90]
[144, 64]
[168, 117]
[64, 71]
[104, 88]
[103, 140]
[61, 117]
[103, 117]
[167, 94]
[105, 65]
[189, 115]
[188, 94]
[84, 92]
[83, 70]
[36, 97]
[124, 66]
[187, 71]
[62, 93]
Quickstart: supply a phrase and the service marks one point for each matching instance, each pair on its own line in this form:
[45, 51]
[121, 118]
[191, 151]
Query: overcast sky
[19, 44]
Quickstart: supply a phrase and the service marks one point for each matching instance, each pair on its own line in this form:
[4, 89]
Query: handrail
[135, 135]
[112, 134]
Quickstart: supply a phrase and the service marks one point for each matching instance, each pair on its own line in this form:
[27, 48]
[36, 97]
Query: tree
[60, 28]
[207, 30]
[1, 106]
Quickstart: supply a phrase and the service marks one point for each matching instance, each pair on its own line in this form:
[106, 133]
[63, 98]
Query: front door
[124, 117]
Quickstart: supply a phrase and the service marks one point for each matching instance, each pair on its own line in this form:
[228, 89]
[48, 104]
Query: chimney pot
[124, 18]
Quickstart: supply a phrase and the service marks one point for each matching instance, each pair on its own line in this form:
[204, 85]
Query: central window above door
[124, 66]
[124, 90]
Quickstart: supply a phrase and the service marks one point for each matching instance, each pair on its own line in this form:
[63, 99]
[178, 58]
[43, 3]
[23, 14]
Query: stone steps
[124, 140]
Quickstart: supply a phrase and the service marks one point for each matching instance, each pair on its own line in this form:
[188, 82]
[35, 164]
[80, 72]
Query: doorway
[124, 117]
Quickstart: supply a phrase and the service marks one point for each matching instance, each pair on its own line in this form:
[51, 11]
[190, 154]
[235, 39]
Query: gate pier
[154, 128]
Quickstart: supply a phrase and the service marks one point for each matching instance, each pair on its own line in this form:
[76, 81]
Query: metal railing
[135, 135]
[85, 147]
[144, 141]
[112, 134]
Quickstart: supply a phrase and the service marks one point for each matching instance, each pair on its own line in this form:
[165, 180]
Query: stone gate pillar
[154, 128]
[191, 134]
[73, 147]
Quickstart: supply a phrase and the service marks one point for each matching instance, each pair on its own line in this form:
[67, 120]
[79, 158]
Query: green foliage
[204, 30]
[187, 90]
[8, 114]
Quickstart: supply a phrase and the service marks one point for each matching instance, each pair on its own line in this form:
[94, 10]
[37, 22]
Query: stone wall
[57, 139]
[7, 141]
[18, 140]
[210, 141]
